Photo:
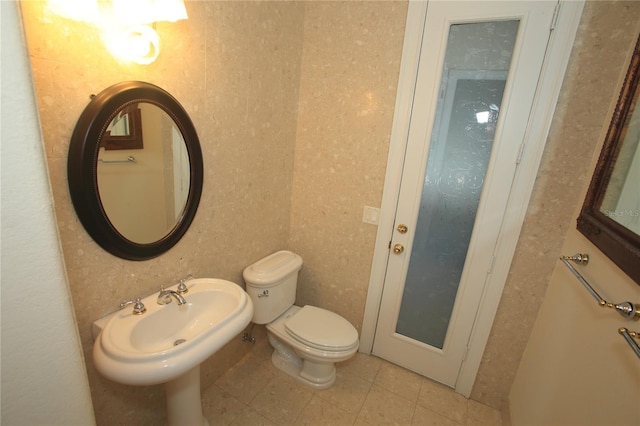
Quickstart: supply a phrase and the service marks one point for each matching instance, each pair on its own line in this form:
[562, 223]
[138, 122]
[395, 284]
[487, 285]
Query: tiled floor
[368, 391]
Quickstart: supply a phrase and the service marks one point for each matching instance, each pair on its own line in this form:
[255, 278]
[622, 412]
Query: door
[476, 82]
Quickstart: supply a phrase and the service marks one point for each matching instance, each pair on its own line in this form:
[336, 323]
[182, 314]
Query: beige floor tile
[399, 381]
[320, 412]
[282, 399]
[263, 348]
[249, 417]
[348, 392]
[443, 400]
[368, 392]
[425, 417]
[361, 365]
[247, 377]
[219, 406]
[385, 408]
[481, 415]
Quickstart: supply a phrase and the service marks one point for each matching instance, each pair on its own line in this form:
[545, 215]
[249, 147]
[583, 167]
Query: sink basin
[167, 341]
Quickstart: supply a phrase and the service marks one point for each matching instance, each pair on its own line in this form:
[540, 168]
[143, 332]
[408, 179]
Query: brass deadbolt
[402, 228]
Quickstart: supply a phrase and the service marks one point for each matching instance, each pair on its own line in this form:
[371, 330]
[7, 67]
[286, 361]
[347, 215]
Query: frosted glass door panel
[473, 80]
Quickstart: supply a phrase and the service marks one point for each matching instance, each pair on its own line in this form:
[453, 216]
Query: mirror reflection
[144, 190]
[610, 215]
[119, 126]
[124, 131]
[621, 201]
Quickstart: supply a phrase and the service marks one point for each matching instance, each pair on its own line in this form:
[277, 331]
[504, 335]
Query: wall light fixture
[126, 25]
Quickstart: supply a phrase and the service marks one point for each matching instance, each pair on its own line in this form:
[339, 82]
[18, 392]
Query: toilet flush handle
[265, 293]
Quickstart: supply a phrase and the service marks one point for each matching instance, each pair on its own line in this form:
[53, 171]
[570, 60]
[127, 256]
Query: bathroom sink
[169, 340]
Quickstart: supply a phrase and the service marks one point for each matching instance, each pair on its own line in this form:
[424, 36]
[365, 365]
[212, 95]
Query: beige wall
[350, 66]
[576, 368]
[235, 67]
[606, 32]
[293, 102]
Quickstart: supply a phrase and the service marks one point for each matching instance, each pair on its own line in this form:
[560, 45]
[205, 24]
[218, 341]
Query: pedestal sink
[167, 343]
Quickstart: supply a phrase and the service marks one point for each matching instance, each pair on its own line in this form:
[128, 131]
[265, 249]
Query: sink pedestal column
[184, 405]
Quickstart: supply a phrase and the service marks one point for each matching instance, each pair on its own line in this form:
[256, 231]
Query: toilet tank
[271, 284]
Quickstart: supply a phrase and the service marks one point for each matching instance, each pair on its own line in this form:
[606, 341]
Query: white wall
[43, 375]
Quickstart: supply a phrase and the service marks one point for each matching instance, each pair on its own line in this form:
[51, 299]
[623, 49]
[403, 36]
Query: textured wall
[293, 102]
[350, 65]
[606, 32]
[346, 106]
[234, 66]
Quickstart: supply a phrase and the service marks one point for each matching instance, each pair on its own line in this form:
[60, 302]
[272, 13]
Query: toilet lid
[322, 329]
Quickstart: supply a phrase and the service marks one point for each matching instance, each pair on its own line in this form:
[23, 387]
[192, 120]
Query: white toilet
[307, 341]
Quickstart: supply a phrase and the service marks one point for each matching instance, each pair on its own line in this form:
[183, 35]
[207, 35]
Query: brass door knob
[402, 228]
[398, 248]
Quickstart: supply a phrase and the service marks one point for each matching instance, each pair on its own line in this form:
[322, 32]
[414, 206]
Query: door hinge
[464, 355]
[554, 18]
[520, 153]
[493, 261]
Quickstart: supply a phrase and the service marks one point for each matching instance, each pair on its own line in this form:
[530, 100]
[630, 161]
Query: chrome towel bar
[130, 159]
[628, 310]
[628, 336]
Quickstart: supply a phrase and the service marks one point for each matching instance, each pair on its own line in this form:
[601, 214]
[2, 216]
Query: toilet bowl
[318, 337]
[307, 340]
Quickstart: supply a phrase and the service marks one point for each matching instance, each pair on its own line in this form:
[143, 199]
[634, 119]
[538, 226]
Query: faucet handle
[182, 287]
[138, 306]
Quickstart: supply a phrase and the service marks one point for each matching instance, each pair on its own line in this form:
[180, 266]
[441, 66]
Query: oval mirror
[135, 170]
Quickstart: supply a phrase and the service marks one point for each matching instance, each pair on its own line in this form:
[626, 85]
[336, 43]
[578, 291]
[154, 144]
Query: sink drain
[177, 342]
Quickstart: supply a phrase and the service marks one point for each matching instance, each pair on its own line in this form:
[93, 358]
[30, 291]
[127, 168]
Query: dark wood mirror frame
[617, 242]
[82, 167]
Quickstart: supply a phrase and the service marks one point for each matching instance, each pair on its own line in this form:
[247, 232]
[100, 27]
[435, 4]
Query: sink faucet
[164, 297]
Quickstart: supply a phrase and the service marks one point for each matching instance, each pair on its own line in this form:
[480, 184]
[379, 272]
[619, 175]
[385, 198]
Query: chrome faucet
[138, 306]
[164, 297]
[182, 287]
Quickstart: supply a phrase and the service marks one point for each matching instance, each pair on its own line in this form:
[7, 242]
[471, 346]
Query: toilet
[308, 340]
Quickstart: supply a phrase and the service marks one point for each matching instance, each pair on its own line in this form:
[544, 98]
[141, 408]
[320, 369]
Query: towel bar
[626, 309]
[130, 159]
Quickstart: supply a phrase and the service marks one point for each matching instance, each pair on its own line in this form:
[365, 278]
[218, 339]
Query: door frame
[547, 93]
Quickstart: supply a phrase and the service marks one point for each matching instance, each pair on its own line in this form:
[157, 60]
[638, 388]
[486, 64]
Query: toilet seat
[322, 329]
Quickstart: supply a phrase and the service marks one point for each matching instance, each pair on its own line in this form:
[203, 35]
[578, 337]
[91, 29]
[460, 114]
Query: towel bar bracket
[626, 309]
[578, 258]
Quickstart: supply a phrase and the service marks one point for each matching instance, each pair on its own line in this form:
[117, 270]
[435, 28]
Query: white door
[477, 75]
